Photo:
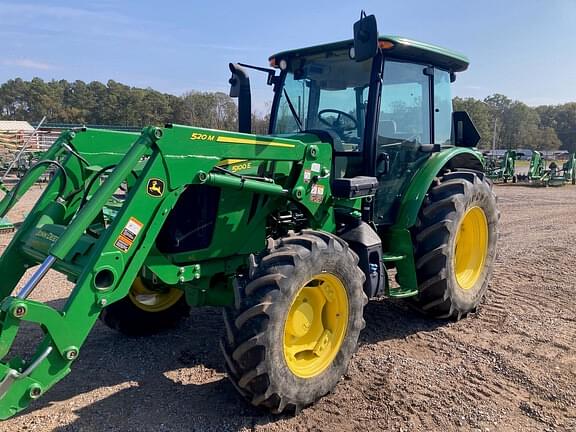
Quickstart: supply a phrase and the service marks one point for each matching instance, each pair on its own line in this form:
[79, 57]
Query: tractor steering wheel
[343, 122]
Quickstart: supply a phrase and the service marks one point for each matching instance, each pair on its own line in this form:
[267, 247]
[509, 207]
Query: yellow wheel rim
[471, 247]
[152, 301]
[315, 325]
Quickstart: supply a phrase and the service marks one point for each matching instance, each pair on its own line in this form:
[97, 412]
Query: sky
[525, 49]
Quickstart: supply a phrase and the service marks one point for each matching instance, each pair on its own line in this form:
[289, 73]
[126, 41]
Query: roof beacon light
[385, 45]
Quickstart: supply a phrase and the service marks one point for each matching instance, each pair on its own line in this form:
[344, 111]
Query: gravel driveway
[511, 367]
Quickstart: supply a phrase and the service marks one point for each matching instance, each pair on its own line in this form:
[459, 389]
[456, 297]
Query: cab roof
[402, 48]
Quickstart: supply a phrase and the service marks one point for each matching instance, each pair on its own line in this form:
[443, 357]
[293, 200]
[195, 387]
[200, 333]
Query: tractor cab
[384, 113]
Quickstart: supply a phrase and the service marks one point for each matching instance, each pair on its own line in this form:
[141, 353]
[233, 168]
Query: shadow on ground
[152, 372]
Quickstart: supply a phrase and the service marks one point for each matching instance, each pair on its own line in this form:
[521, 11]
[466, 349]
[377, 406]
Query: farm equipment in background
[502, 169]
[290, 232]
[541, 175]
[569, 169]
[537, 172]
[19, 161]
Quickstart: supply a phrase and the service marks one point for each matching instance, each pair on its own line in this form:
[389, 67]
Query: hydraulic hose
[14, 192]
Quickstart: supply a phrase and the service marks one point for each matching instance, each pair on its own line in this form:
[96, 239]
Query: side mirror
[365, 38]
[464, 132]
[240, 88]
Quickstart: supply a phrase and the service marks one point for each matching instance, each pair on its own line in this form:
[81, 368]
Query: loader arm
[66, 231]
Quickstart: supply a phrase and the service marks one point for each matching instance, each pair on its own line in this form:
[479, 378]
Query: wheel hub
[471, 247]
[153, 301]
[315, 325]
[302, 319]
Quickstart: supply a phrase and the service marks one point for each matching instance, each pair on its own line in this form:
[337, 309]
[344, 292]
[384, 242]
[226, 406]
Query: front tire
[145, 311]
[455, 241]
[296, 322]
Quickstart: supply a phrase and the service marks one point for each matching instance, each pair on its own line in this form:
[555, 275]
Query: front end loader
[365, 171]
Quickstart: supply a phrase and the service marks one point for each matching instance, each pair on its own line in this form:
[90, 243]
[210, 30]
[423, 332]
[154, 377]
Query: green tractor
[366, 172]
[502, 169]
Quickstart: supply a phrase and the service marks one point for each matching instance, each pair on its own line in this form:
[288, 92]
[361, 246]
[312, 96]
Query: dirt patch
[510, 367]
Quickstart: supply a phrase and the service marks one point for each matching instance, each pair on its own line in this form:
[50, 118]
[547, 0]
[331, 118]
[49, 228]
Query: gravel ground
[510, 367]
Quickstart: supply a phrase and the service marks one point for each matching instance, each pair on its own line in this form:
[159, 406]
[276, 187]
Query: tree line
[513, 123]
[114, 104]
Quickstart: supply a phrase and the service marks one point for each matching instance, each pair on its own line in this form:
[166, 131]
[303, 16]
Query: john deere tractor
[365, 172]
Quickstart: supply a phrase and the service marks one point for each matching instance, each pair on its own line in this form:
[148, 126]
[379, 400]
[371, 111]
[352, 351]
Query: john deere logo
[155, 187]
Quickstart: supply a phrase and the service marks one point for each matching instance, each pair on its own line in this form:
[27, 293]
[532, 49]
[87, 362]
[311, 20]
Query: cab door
[404, 125]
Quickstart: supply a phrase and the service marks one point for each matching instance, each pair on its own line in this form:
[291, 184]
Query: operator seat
[387, 132]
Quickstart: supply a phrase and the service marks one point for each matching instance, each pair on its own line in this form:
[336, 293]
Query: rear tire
[258, 334]
[452, 281]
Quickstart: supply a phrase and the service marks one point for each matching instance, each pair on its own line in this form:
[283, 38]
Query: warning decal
[128, 235]
[317, 193]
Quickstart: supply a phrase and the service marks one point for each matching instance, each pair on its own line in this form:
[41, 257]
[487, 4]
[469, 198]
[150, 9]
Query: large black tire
[127, 317]
[254, 340]
[447, 202]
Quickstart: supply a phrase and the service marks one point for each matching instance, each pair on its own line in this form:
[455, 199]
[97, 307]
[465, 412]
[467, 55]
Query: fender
[398, 239]
[456, 157]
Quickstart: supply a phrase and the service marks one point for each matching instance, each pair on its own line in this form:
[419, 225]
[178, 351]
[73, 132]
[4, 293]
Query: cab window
[328, 91]
[442, 107]
[405, 105]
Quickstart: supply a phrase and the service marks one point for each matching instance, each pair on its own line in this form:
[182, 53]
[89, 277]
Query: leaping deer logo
[155, 187]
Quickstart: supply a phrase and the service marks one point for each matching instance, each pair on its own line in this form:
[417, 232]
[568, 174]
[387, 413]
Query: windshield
[328, 92]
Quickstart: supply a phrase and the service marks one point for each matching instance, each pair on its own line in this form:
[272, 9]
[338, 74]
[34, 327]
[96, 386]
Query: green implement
[366, 172]
[502, 169]
[553, 175]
